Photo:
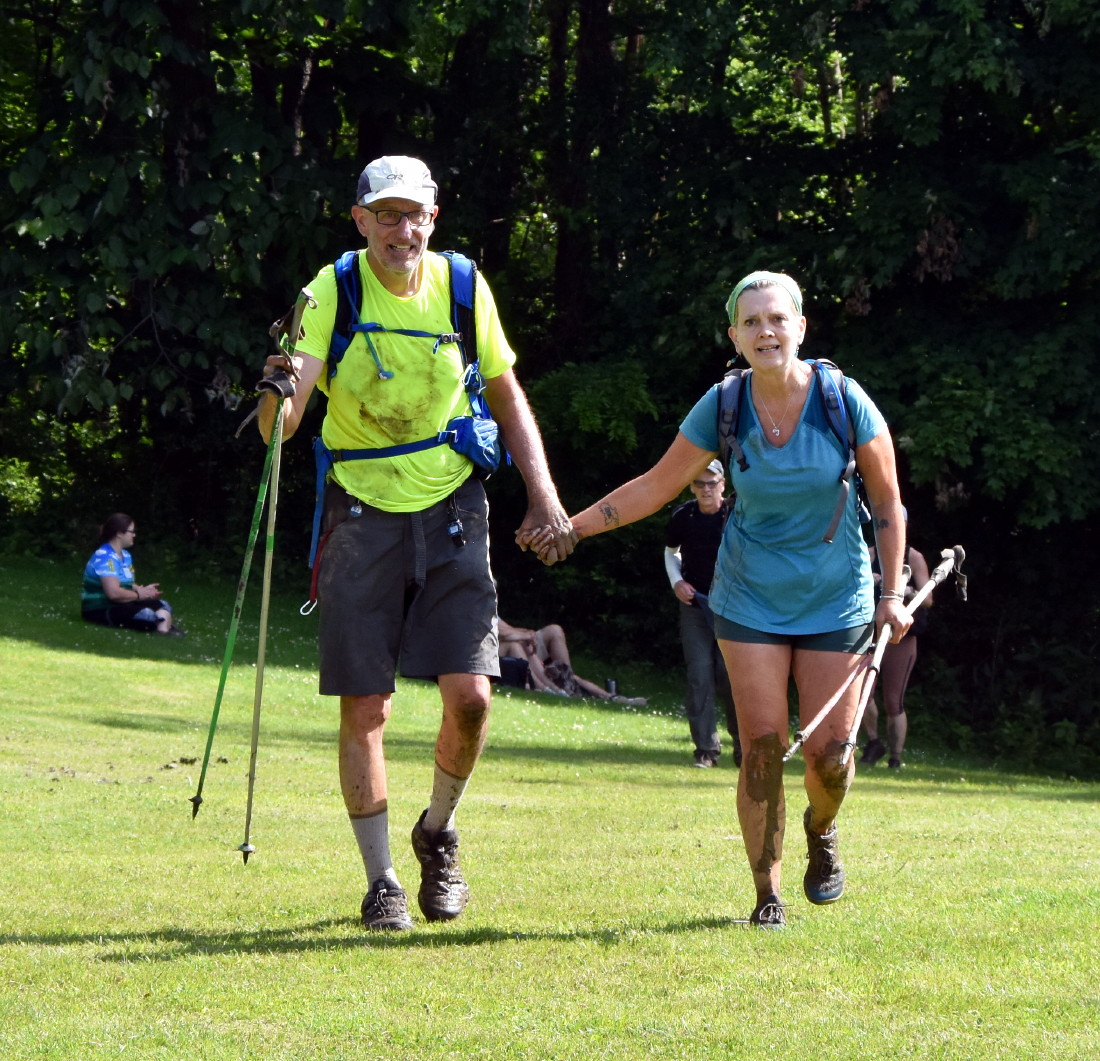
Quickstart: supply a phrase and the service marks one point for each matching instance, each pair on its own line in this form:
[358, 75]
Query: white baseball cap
[396, 177]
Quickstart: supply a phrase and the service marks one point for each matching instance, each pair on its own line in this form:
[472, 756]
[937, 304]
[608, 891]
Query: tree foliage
[928, 169]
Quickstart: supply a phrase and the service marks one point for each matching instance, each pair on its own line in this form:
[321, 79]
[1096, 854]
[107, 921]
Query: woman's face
[768, 330]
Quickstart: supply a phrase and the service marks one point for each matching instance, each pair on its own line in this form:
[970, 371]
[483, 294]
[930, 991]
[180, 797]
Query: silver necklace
[787, 409]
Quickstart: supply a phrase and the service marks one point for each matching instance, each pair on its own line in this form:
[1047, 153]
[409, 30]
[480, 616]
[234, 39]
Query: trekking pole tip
[196, 802]
[246, 849]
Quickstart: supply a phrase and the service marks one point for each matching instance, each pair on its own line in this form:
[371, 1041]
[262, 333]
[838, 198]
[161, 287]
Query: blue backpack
[834, 393]
[475, 437]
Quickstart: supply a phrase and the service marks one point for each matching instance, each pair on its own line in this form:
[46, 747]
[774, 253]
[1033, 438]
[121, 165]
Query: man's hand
[546, 531]
[280, 373]
[684, 591]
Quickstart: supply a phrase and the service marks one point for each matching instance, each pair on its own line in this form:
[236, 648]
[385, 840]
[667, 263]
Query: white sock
[446, 792]
[372, 833]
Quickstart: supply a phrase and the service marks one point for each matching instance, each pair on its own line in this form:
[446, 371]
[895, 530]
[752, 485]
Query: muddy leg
[818, 676]
[761, 810]
[758, 677]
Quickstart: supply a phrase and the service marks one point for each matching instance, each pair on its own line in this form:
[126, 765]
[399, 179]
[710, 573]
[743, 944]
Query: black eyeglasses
[389, 218]
[707, 484]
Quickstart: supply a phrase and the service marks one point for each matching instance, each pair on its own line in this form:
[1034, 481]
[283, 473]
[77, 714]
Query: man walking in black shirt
[691, 548]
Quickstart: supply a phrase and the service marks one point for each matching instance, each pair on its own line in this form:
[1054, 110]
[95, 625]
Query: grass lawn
[609, 884]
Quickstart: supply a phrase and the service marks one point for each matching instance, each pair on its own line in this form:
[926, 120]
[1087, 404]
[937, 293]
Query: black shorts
[852, 639]
[396, 587]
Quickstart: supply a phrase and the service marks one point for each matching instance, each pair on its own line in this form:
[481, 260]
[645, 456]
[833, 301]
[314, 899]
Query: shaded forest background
[929, 170]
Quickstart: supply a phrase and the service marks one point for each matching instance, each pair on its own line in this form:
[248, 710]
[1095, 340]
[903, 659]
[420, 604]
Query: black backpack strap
[730, 391]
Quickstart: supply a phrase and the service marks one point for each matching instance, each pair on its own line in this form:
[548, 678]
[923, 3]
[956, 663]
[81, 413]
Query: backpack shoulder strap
[349, 298]
[730, 391]
[834, 393]
[463, 290]
[463, 272]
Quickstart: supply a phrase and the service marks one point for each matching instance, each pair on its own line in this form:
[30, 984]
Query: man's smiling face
[394, 251]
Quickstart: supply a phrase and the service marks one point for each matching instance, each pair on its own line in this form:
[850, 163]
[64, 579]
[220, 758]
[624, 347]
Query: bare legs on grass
[759, 676]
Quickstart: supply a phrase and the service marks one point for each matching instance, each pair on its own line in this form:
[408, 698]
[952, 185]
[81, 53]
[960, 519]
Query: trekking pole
[234, 622]
[286, 333]
[802, 735]
[281, 384]
[951, 559]
[246, 848]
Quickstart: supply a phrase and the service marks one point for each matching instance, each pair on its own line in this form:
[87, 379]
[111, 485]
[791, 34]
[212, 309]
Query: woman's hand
[893, 612]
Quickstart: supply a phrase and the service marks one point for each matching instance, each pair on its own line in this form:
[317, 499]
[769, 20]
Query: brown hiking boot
[824, 880]
[769, 913]
[444, 892]
[386, 907]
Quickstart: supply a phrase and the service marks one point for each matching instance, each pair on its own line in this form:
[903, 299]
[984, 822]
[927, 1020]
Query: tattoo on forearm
[881, 524]
[610, 515]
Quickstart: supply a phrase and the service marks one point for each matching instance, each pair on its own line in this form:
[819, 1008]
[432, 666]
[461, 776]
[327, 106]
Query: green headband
[779, 279]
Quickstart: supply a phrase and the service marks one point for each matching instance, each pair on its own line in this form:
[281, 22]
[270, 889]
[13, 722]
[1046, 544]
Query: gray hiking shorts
[398, 587]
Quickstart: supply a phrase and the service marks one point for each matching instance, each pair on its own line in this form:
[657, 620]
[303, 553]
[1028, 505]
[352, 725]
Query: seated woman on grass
[110, 596]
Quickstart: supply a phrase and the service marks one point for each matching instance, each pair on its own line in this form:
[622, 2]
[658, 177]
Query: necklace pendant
[775, 431]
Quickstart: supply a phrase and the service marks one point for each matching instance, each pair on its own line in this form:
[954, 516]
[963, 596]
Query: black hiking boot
[769, 913]
[386, 907]
[824, 880]
[873, 750]
[444, 892]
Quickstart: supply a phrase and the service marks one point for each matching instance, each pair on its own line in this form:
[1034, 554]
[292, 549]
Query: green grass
[609, 883]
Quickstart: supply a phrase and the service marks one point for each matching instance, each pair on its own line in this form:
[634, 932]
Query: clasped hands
[548, 533]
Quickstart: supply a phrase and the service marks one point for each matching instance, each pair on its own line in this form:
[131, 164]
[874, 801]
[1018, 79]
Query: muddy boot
[824, 880]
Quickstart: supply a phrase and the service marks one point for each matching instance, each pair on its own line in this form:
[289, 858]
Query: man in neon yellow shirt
[396, 582]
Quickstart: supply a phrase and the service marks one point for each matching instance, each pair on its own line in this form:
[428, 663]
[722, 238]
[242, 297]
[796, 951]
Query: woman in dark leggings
[894, 672]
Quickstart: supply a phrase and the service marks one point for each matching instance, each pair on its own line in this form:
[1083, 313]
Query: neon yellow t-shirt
[425, 393]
